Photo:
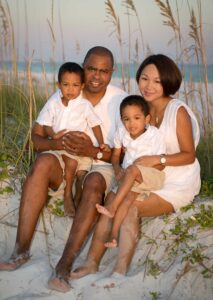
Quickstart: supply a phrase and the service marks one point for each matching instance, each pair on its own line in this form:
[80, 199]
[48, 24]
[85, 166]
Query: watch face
[163, 160]
[99, 155]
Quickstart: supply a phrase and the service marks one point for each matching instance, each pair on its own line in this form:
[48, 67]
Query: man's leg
[97, 248]
[45, 172]
[84, 221]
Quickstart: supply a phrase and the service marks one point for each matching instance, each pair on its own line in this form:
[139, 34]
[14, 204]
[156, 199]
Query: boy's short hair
[135, 100]
[169, 72]
[71, 67]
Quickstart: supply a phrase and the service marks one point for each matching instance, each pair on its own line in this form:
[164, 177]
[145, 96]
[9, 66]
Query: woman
[158, 78]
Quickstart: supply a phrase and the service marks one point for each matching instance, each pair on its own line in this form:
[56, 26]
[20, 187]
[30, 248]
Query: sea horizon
[194, 72]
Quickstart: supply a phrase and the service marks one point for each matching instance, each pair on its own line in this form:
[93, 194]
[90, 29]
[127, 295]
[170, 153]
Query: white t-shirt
[78, 115]
[151, 142]
[108, 110]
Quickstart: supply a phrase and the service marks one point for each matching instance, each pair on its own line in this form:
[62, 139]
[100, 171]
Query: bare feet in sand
[88, 268]
[58, 283]
[104, 211]
[112, 244]
[114, 280]
[69, 207]
[14, 262]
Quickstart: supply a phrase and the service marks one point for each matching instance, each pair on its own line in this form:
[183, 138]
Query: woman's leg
[152, 206]
[97, 248]
[45, 172]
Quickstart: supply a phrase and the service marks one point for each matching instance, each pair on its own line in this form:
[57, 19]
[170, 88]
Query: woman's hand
[148, 161]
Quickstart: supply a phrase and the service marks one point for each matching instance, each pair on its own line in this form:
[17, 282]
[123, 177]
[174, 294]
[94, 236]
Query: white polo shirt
[78, 115]
[151, 142]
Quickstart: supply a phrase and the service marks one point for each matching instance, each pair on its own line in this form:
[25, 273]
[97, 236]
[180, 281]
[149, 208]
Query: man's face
[98, 72]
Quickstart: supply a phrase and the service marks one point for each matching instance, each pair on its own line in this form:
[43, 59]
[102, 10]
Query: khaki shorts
[84, 163]
[153, 179]
[106, 170]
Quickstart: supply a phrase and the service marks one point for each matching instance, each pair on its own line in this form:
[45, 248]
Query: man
[47, 172]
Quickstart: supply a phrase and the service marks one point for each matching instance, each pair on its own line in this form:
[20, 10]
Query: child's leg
[132, 174]
[78, 186]
[118, 220]
[70, 169]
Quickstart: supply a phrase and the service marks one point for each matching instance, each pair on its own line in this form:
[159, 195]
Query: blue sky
[81, 24]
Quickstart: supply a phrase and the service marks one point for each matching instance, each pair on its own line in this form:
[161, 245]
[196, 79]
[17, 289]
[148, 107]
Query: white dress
[182, 183]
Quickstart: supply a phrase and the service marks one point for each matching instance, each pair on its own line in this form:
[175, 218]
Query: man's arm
[41, 142]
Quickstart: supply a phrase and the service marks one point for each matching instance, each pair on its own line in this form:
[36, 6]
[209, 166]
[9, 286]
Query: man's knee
[94, 182]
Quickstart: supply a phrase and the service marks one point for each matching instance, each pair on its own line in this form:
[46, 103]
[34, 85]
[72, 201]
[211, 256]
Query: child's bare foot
[69, 207]
[112, 244]
[104, 211]
[14, 262]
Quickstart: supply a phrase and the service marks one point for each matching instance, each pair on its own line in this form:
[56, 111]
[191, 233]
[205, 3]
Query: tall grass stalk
[113, 18]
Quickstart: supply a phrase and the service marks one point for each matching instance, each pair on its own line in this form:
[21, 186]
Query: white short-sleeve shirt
[79, 115]
[151, 142]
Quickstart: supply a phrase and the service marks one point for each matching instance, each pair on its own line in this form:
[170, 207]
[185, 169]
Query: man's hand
[78, 143]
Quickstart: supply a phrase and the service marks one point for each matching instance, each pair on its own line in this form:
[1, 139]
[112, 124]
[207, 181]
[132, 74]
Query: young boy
[138, 139]
[67, 111]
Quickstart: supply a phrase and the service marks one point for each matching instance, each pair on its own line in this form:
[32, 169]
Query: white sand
[172, 279]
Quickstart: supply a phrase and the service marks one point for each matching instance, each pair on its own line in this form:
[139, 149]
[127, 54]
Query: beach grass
[22, 96]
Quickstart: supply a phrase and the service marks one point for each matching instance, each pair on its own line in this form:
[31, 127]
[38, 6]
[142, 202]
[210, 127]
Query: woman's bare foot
[69, 207]
[104, 211]
[14, 262]
[114, 280]
[59, 283]
[112, 244]
[90, 267]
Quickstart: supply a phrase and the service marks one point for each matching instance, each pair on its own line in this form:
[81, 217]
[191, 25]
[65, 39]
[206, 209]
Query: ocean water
[196, 72]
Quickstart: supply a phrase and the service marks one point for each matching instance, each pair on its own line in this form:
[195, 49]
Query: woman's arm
[186, 143]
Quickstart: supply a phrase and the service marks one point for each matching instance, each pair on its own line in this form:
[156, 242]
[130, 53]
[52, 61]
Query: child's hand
[105, 147]
[59, 134]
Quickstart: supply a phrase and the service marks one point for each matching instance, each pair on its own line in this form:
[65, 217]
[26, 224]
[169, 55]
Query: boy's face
[134, 120]
[70, 86]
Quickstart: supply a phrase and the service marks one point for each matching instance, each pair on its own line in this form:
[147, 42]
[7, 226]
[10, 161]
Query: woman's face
[150, 84]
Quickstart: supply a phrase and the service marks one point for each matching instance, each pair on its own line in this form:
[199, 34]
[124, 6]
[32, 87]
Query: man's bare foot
[88, 268]
[14, 262]
[104, 211]
[69, 207]
[58, 283]
[112, 244]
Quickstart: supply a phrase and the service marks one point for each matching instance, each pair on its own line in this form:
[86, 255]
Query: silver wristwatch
[162, 159]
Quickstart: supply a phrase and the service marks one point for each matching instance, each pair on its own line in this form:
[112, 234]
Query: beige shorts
[84, 163]
[153, 179]
[106, 170]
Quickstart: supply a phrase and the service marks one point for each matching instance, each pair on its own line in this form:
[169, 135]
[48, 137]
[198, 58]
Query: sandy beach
[158, 269]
